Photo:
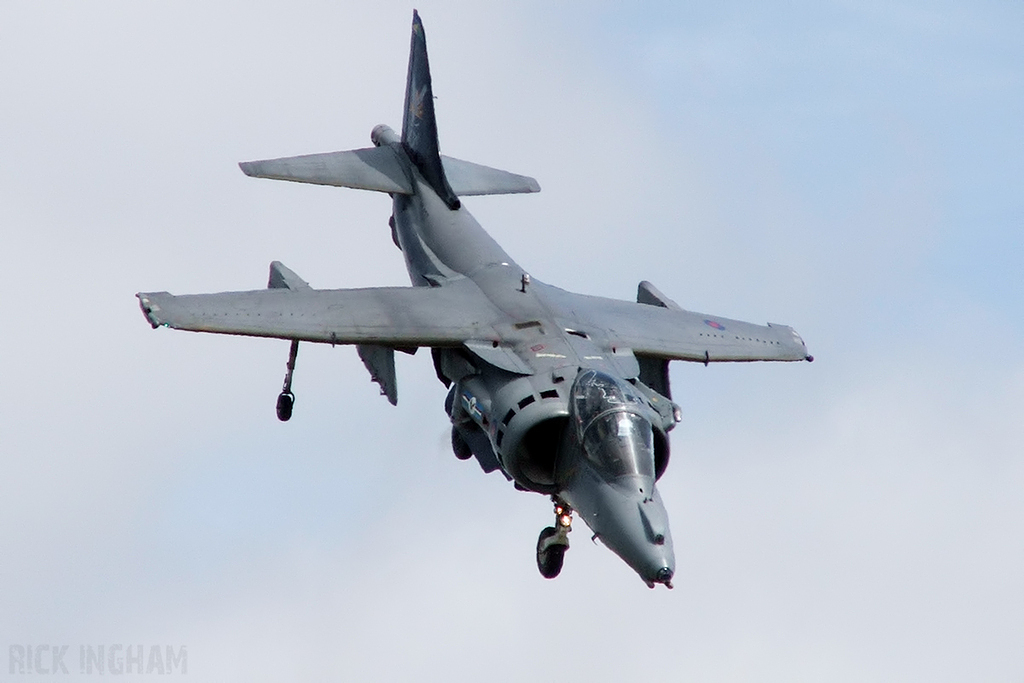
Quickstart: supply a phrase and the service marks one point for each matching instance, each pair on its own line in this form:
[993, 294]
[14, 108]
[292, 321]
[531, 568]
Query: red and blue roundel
[714, 325]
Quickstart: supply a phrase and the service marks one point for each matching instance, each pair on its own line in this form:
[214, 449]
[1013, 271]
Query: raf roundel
[714, 325]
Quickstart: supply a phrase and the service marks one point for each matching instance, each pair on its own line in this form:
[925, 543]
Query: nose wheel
[554, 541]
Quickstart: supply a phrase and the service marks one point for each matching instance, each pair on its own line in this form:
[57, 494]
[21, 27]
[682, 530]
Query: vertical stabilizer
[419, 128]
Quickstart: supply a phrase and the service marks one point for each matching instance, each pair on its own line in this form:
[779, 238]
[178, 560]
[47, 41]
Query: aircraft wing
[390, 316]
[670, 334]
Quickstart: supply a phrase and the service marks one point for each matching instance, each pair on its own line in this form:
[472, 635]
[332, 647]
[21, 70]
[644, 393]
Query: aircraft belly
[500, 356]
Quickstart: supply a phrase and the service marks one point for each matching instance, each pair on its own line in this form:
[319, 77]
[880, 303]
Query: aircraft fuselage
[511, 402]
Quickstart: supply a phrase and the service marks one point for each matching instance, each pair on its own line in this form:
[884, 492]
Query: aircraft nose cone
[628, 515]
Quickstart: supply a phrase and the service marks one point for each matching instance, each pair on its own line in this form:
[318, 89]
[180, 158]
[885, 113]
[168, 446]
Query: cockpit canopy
[611, 422]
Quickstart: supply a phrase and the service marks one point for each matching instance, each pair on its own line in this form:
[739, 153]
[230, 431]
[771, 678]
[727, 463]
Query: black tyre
[460, 447]
[285, 403]
[549, 561]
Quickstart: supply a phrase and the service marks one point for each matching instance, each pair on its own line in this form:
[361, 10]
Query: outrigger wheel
[554, 541]
[285, 403]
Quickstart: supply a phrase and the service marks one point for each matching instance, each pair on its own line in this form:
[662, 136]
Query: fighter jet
[564, 394]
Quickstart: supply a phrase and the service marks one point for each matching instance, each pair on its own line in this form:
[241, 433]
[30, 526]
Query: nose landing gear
[554, 541]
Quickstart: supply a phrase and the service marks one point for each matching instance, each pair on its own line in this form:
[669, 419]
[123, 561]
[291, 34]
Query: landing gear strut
[554, 541]
[286, 400]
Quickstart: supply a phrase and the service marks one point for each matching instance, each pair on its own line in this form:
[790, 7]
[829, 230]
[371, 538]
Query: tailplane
[385, 167]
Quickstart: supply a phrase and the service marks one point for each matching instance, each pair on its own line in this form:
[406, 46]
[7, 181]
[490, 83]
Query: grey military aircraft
[566, 395]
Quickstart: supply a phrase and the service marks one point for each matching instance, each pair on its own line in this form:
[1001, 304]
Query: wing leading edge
[390, 316]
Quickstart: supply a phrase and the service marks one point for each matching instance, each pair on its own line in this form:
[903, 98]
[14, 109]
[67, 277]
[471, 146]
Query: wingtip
[248, 168]
[149, 309]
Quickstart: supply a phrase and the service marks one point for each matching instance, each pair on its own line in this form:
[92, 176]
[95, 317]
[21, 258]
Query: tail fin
[384, 168]
[419, 127]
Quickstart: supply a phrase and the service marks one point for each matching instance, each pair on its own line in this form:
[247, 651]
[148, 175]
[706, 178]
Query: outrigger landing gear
[286, 400]
[554, 541]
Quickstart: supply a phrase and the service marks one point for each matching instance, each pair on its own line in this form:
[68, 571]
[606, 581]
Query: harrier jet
[566, 395]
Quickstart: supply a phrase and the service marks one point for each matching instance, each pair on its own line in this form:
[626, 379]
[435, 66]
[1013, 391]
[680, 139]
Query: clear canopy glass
[611, 423]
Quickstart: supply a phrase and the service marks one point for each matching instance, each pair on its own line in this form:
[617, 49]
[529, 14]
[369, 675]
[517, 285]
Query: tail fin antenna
[419, 127]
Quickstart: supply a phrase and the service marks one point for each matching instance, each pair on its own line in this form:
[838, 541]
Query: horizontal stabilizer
[382, 169]
[467, 178]
[372, 168]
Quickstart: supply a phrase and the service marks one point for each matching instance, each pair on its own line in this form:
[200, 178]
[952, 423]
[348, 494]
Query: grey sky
[851, 169]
